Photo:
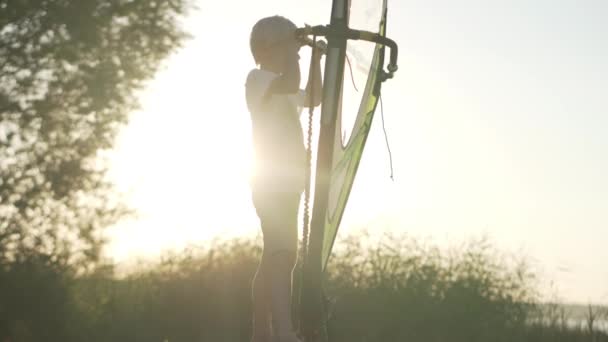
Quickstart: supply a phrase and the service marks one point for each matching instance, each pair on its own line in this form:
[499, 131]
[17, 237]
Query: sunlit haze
[497, 122]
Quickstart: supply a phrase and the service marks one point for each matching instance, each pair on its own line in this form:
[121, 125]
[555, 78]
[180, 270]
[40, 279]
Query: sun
[184, 163]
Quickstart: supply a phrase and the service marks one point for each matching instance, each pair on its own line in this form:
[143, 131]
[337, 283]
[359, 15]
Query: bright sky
[497, 121]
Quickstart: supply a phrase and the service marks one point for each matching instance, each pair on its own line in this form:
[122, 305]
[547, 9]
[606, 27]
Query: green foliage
[199, 295]
[402, 290]
[35, 300]
[69, 72]
[397, 290]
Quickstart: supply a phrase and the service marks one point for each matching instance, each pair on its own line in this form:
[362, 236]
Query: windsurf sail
[341, 141]
[349, 142]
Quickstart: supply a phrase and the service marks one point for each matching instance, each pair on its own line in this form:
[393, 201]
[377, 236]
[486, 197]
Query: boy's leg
[279, 217]
[283, 263]
[283, 251]
[262, 329]
[272, 298]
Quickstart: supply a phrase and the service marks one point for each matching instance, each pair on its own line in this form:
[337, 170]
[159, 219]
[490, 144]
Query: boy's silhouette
[274, 100]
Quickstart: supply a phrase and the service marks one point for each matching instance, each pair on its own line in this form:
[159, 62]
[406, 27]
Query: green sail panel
[347, 153]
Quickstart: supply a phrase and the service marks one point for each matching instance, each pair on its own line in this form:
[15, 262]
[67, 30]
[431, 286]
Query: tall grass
[401, 290]
[396, 290]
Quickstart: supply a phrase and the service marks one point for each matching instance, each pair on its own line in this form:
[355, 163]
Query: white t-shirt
[280, 155]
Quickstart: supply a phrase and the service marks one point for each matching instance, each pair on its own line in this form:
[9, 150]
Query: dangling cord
[352, 77]
[388, 147]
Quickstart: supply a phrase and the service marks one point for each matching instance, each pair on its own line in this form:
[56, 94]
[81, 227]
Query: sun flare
[184, 163]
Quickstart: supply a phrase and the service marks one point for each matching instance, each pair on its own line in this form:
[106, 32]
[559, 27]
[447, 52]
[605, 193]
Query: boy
[273, 97]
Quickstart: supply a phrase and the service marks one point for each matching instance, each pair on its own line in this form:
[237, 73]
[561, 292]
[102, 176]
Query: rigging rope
[306, 216]
[388, 147]
[352, 77]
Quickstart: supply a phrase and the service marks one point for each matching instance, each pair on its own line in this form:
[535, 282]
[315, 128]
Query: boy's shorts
[278, 213]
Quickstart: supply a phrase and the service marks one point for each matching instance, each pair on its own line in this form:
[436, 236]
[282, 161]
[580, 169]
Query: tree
[69, 71]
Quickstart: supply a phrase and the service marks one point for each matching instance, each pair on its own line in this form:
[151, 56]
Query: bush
[395, 290]
[401, 290]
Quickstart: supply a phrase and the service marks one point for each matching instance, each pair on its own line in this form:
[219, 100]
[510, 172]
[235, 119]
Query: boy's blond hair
[267, 32]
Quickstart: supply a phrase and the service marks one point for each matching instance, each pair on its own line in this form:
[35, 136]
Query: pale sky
[497, 120]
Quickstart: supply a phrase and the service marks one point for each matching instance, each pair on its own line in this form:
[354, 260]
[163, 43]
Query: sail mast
[337, 163]
[313, 312]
